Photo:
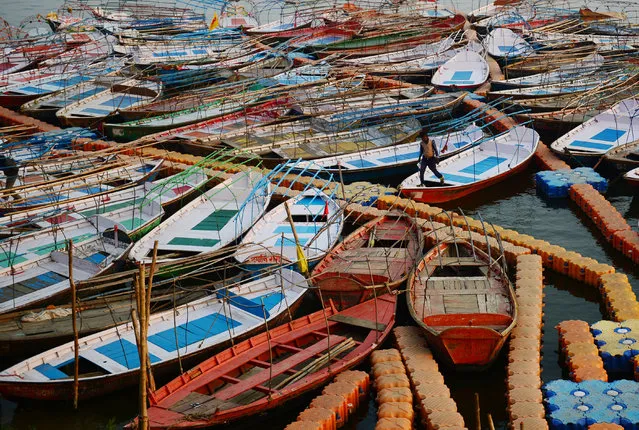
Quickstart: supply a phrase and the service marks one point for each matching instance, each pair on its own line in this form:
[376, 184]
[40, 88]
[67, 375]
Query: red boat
[265, 371]
[374, 259]
[464, 302]
[474, 169]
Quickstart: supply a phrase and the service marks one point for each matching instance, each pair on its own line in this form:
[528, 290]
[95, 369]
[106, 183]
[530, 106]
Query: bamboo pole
[491, 425]
[144, 416]
[76, 346]
[477, 412]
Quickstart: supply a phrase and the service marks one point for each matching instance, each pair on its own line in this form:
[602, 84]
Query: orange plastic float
[324, 417]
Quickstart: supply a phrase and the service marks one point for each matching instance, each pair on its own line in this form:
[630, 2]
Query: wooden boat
[211, 221]
[46, 107]
[109, 359]
[29, 332]
[317, 220]
[86, 52]
[97, 108]
[488, 163]
[132, 130]
[546, 62]
[572, 87]
[391, 160]
[241, 381]
[236, 17]
[466, 70]
[34, 271]
[624, 157]
[505, 44]
[632, 177]
[421, 69]
[237, 122]
[373, 260]
[13, 96]
[65, 191]
[286, 23]
[613, 128]
[464, 303]
[386, 59]
[135, 210]
[566, 73]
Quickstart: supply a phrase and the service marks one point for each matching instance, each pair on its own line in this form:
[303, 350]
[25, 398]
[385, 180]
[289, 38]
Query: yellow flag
[301, 261]
[215, 22]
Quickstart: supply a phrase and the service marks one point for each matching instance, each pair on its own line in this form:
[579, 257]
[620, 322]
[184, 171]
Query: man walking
[428, 157]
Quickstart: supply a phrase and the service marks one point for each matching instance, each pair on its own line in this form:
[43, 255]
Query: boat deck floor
[392, 263]
[459, 295]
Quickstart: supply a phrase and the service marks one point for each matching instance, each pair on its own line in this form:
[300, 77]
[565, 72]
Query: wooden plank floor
[453, 295]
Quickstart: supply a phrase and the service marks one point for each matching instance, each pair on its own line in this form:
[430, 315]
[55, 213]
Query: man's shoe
[441, 180]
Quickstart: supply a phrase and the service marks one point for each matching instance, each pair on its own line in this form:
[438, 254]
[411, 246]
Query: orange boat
[373, 260]
[464, 302]
[271, 368]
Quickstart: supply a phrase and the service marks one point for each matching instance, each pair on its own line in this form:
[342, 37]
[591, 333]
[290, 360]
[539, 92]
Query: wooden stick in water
[491, 425]
[477, 412]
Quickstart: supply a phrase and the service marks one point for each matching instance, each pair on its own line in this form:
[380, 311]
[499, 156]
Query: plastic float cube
[618, 344]
[557, 183]
[578, 405]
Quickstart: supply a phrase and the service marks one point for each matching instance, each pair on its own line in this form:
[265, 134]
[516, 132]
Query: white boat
[612, 128]
[213, 220]
[318, 222]
[85, 53]
[505, 44]
[64, 191]
[94, 109]
[393, 159]
[491, 161]
[35, 269]
[289, 22]
[20, 93]
[165, 191]
[415, 53]
[45, 107]
[109, 359]
[466, 70]
[566, 73]
[632, 176]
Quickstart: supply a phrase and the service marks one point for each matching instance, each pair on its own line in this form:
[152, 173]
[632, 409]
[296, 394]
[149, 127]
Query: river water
[513, 204]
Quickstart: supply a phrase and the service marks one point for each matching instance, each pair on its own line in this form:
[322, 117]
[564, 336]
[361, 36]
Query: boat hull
[447, 194]
[95, 387]
[467, 348]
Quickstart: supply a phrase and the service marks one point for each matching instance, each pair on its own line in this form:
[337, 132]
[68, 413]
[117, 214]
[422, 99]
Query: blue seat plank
[455, 178]
[193, 331]
[361, 163]
[609, 135]
[462, 75]
[590, 145]
[51, 372]
[290, 241]
[96, 258]
[124, 353]
[311, 201]
[483, 166]
[300, 229]
[400, 157]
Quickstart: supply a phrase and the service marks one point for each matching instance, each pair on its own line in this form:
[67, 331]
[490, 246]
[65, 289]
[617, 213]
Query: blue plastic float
[557, 183]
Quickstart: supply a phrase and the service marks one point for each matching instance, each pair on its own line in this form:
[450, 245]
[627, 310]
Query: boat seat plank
[278, 368]
[481, 303]
[200, 404]
[460, 304]
[470, 292]
[464, 261]
[358, 322]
